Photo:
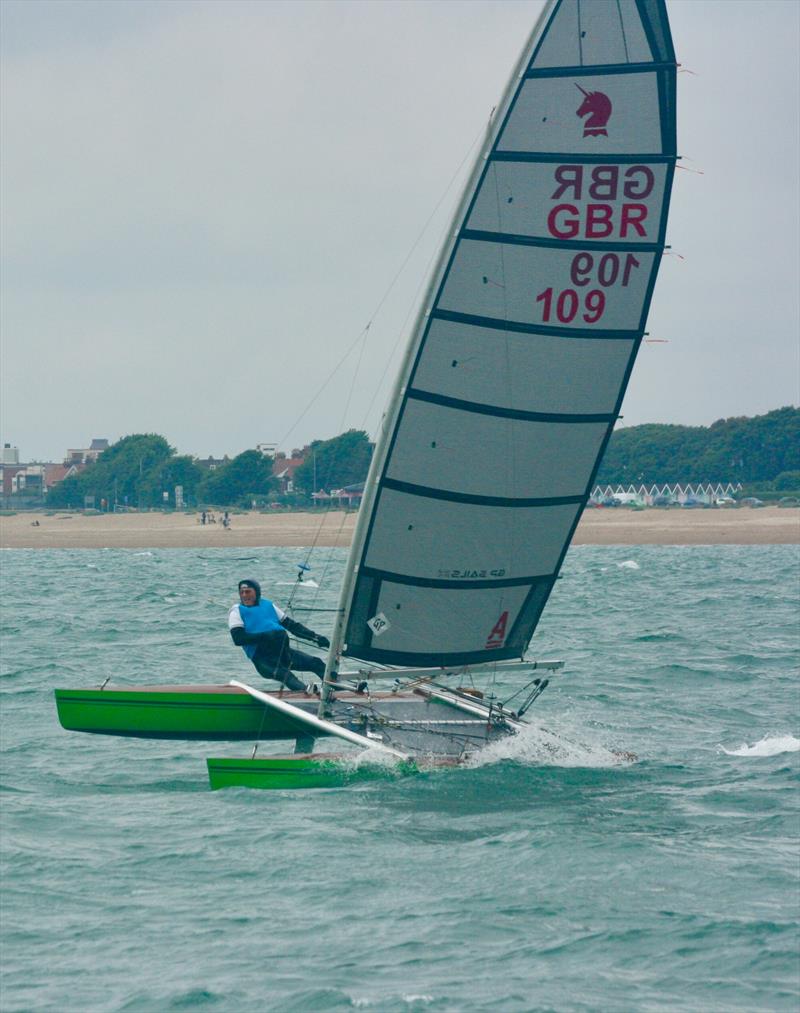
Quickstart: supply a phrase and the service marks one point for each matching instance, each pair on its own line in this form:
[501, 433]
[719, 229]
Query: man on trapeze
[259, 627]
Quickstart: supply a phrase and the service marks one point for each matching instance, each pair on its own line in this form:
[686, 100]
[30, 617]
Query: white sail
[519, 359]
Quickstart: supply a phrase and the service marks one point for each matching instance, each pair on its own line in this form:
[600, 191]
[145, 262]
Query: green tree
[234, 484]
[333, 464]
[126, 471]
[182, 470]
[787, 481]
[730, 450]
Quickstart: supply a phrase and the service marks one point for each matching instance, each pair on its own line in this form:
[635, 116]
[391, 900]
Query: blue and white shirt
[265, 617]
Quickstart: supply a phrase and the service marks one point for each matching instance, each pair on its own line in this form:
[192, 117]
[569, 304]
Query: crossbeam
[426, 673]
[319, 725]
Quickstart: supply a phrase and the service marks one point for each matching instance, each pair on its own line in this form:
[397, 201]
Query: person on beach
[259, 627]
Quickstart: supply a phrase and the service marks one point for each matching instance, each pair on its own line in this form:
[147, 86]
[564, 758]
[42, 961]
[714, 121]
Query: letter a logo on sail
[498, 635]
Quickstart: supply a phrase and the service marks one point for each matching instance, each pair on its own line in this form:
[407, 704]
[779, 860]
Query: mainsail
[523, 347]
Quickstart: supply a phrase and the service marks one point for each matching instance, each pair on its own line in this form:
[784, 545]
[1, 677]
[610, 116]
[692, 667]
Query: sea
[532, 880]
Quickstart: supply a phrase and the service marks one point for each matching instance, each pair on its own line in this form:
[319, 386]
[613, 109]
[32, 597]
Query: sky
[216, 217]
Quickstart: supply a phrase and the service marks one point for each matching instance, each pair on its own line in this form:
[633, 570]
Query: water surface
[528, 882]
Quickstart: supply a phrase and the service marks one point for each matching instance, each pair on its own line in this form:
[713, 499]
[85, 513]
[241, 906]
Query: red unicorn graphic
[597, 107]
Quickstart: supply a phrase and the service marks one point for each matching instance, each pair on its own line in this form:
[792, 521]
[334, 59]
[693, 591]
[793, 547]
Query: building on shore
[665, 495]
[26, 484]
[86, 455]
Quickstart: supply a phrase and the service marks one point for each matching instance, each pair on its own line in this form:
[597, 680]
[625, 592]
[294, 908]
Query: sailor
[259, 627]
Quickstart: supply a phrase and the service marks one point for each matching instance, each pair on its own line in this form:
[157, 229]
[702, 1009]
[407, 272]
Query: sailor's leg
[290, 681]
[273, 670]
[302, 662]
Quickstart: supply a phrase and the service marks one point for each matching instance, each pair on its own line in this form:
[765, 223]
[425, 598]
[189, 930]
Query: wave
[539, 746]
[770, 745]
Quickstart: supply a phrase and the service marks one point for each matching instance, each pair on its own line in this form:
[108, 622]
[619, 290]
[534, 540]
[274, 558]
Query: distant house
[211, 463]
[55, 473]
[283, 469]
[88, 454]
[10, 466]
[350, 496]
[10, 471]
[29, 481]
[37, 479]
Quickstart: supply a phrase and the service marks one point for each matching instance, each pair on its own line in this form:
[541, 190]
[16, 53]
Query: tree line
[138, 470]
[762, 451]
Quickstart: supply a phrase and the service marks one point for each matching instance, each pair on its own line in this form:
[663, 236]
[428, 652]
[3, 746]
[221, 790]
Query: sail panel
[423, 626]
[556, 200]
[520, 355]
[528, 284]
[611, 32]
[489, 455]
[434, 538]
[621, 115]
[511, 370]
[594, 32]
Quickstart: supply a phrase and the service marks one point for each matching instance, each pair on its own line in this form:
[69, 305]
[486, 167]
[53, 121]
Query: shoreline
[618, 526]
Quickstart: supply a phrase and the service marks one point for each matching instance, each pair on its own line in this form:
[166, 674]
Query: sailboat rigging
[510, 386]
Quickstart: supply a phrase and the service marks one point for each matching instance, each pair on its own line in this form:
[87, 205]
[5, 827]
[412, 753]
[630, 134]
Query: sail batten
[522, 327]
[512, 239]
[596, 69]
[507, 502]
[651, 158]
[480, 408]
[465, 583]
[517, 365]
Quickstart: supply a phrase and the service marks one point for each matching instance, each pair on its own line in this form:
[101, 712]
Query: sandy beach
[64, 530]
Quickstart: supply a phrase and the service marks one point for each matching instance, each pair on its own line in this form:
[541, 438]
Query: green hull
[221, 713]
[300, 771]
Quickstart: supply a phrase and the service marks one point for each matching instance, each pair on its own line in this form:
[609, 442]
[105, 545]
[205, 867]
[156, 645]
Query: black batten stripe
[571, 157]
[504, 413]
[544, 242]
[600, 69]
[476, 584]
[519, 327]
[426, 492]
[426, 659]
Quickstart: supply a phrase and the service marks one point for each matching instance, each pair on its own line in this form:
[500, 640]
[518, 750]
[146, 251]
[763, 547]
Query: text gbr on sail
[604, 217]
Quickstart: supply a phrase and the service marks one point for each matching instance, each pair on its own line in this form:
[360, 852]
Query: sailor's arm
[298, 630]
[240, 636]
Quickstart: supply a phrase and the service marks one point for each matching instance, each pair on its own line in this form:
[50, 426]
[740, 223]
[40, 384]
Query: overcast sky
[204, 203]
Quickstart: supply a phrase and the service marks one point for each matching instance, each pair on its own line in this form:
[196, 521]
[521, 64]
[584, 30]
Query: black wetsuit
[270, 652]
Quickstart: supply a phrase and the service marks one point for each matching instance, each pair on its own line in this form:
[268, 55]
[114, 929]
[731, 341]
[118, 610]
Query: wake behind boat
[510, 387]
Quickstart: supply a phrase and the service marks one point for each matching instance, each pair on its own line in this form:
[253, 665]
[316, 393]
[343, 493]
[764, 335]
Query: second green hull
[301, 771]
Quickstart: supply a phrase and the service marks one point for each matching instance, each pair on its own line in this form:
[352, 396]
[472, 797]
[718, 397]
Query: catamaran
[512, 382]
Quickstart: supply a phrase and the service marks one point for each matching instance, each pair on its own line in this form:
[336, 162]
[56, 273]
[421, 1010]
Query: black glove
[323, 641]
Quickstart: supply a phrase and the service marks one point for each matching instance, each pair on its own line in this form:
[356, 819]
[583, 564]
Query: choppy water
[529, 882]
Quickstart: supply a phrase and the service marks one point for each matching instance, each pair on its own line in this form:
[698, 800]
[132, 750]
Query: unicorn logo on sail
[597, 107]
